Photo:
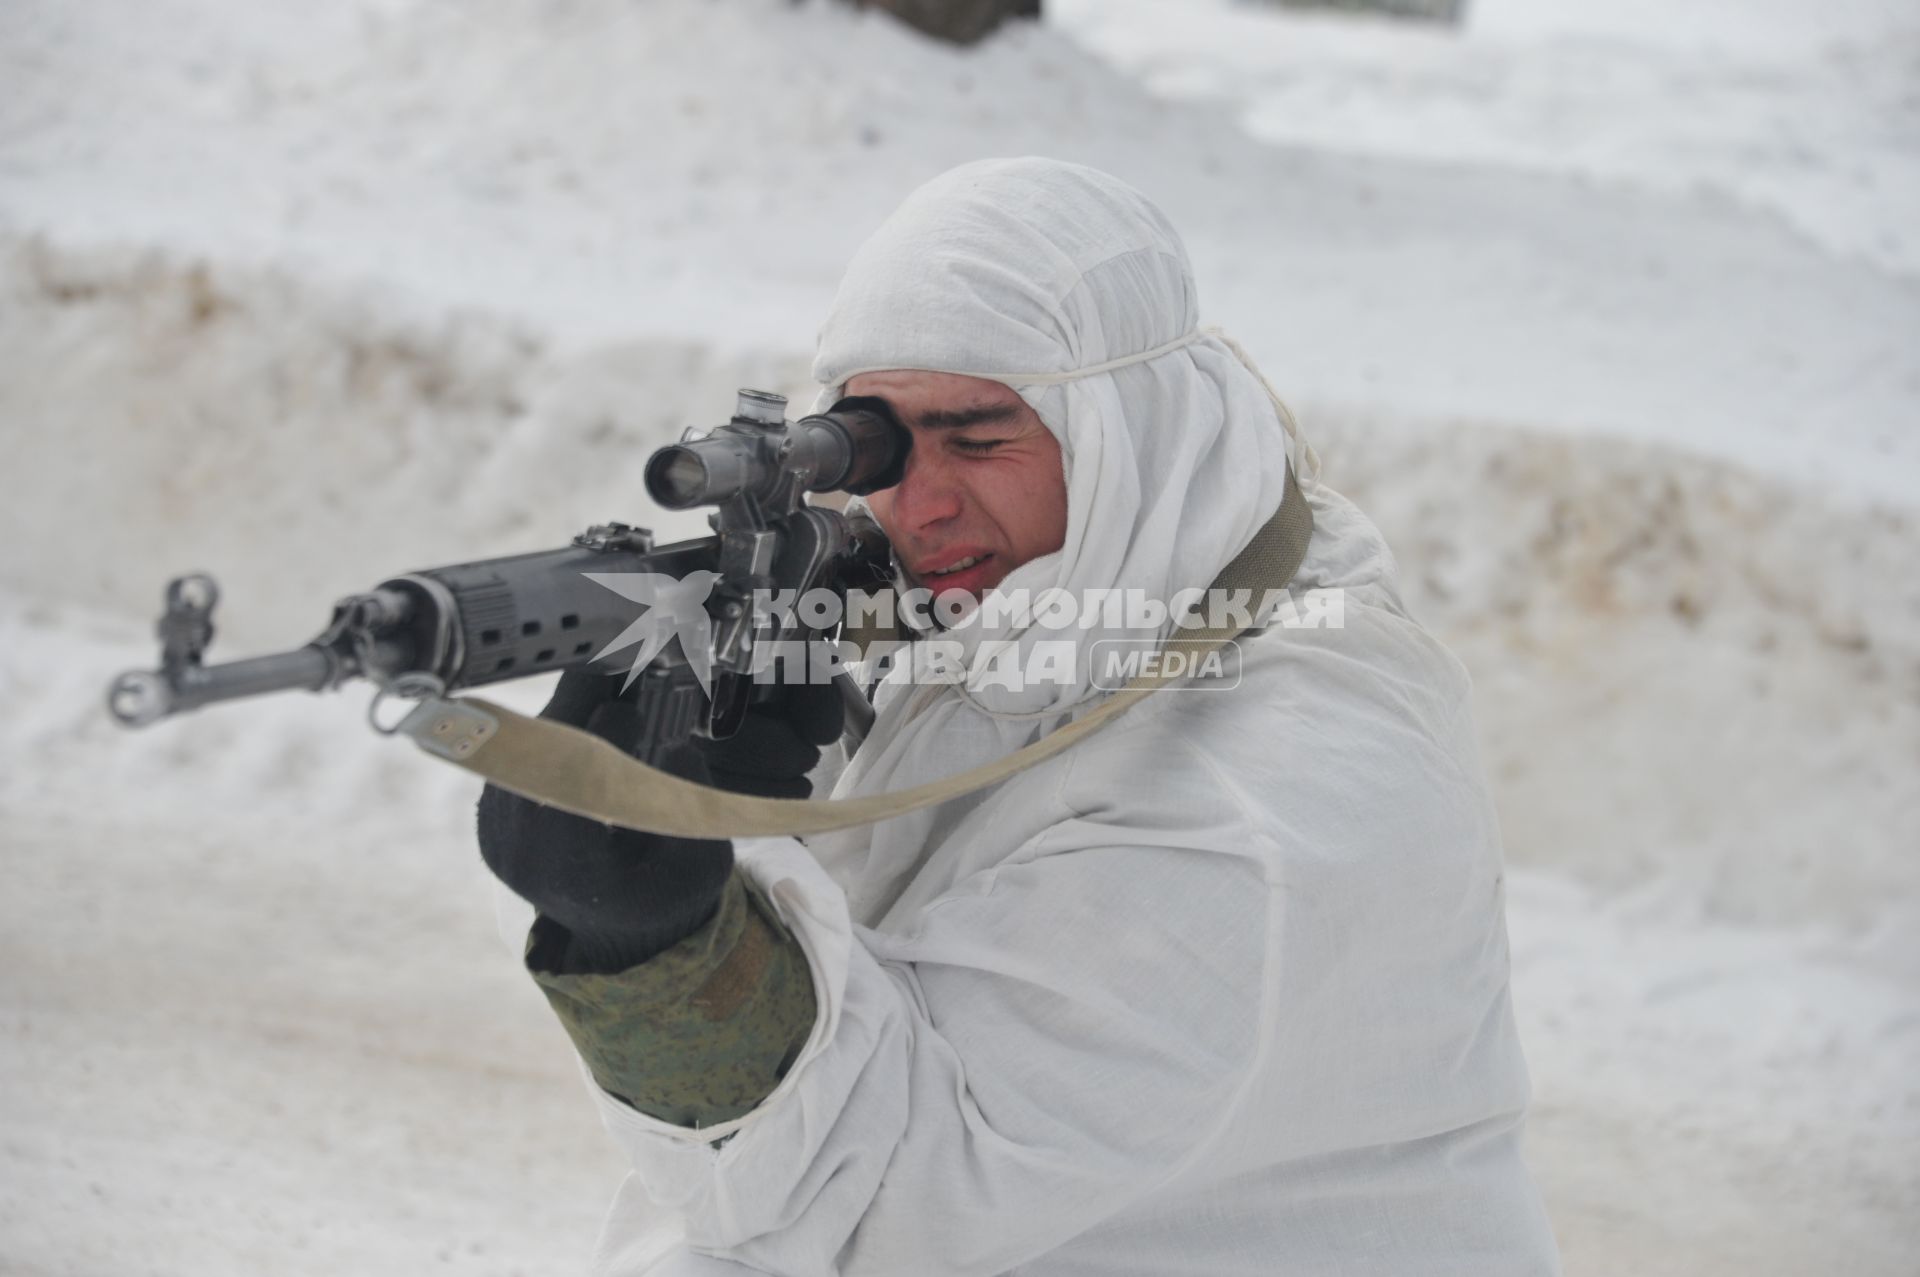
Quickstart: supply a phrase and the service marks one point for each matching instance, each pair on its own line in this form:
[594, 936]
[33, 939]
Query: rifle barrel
[139, 697]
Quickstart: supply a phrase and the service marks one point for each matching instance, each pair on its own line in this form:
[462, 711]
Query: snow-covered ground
[1607, 312]
[1807, 111]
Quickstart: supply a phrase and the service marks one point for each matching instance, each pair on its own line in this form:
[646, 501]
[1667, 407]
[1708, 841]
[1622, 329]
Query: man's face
[984, 482]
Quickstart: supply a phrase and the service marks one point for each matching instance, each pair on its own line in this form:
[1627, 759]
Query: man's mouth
[961, 566]
[967, 572]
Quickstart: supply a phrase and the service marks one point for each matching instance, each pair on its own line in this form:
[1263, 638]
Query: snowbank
[300, 441]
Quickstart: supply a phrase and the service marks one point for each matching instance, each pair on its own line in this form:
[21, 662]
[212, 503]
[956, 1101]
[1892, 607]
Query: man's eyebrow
[956, 418]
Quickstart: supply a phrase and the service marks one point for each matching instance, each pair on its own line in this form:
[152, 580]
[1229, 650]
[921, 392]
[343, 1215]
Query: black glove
[778, 742]
[621, 895]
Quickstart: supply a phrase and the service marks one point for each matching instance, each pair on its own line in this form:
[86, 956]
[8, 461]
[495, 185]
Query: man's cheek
[880, 506]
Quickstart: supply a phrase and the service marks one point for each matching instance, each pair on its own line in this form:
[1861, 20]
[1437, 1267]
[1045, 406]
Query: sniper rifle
[435, 631]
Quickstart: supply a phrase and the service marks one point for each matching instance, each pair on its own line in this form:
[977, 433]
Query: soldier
[1222, 989]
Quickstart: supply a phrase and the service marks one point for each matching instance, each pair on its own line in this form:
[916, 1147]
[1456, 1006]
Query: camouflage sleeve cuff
[700, 1033]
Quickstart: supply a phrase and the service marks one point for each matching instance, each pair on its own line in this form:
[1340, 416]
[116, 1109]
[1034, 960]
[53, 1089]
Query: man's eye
[977, 445]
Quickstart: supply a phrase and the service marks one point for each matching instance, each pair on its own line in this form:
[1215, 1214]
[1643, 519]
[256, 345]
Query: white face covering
[1067, 285]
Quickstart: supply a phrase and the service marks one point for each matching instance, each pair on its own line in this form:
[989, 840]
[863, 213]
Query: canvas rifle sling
[578, 772]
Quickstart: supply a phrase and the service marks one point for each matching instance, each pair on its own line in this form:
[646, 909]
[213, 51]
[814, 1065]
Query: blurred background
[1608, 312]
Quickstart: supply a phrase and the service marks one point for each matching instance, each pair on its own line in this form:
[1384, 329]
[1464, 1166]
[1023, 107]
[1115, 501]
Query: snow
[1606, 312]
[526, 166]
[1806, 111]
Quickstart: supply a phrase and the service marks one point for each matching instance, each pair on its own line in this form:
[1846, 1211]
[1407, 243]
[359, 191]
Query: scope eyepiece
[869, 441]
[857, 446]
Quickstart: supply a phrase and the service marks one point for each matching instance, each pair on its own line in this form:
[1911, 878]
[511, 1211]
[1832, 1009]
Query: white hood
[1069, 286]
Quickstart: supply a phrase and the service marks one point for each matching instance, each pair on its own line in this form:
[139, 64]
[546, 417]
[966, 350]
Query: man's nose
[927, 493]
